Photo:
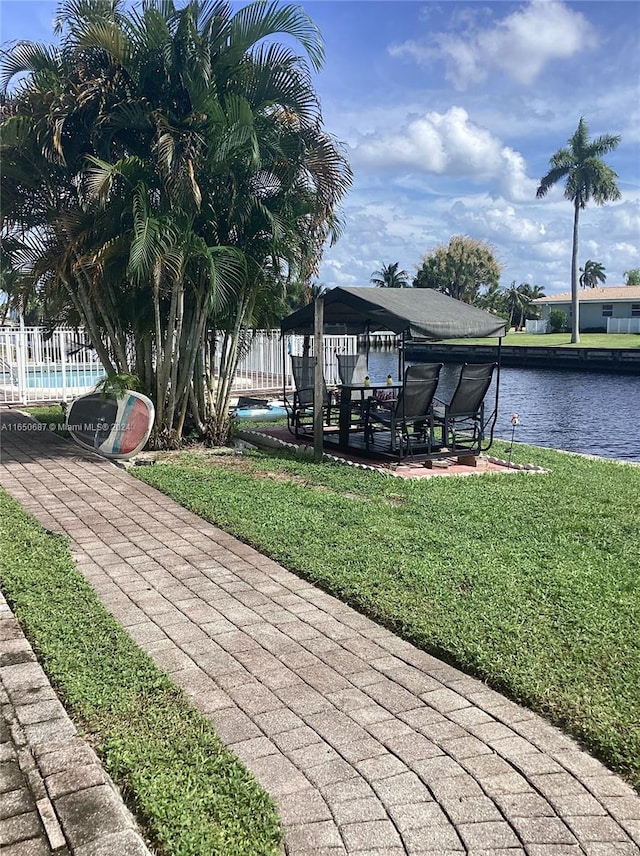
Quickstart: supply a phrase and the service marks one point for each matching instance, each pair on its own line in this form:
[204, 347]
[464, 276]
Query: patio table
[344, 413]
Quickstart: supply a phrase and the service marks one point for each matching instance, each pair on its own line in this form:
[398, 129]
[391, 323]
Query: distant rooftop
[608, 294]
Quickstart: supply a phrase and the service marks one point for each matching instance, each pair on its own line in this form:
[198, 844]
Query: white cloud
[339, 273]
[498, 221]
[625, 219]
[450, 144]
[524, 42]
[532, 239]
[631, 250]
[521, 44]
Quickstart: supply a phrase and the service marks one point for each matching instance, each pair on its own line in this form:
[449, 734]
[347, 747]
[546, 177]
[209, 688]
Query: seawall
[616, 360]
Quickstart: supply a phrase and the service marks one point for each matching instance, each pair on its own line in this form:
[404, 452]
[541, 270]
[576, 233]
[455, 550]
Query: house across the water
[611, 309]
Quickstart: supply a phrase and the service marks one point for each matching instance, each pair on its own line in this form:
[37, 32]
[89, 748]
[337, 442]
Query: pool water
[43, 378]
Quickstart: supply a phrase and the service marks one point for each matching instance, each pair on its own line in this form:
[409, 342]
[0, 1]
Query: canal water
[590, 412]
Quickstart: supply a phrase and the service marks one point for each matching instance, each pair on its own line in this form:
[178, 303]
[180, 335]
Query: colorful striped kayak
[116, 428]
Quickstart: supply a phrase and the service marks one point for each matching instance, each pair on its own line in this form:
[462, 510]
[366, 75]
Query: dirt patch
[243, 465]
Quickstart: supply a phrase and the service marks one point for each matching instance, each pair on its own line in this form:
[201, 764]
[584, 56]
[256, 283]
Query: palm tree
[516, 303]
[172, 167]
[532, 292]
[492, 300]
[591, 274]
[300, 294]
[390, 277]
[587, 177]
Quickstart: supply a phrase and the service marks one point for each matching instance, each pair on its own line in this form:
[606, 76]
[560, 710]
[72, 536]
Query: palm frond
[276, 77]
[109, 37]
[555, 174]
[258, 20]
[126, 115]
[153, 237]
[100, 177]
[227, 277]
[210, 10]
[165, 150]
[73, 14]
[28, 57]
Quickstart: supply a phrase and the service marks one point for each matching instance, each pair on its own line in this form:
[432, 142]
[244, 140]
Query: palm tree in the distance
[519, 302]
[591, 274]
[587, 178]
[390, 277]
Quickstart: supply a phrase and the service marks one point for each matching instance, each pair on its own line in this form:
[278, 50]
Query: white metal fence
[536, 326]
[623, 325]
[37, 366]
[262, 366]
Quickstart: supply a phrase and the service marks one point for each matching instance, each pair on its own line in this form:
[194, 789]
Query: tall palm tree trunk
[575, 291]
[191, 347]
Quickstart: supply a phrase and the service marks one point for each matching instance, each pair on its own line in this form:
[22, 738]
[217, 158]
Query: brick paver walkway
[368, 745]
[55, 798]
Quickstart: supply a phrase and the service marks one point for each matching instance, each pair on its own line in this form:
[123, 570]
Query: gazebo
[412, 314]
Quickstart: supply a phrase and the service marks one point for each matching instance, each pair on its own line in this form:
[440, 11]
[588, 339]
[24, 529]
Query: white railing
[536, 326]
[262, 367]
[38, 366]
[334, 345]
[623, 325]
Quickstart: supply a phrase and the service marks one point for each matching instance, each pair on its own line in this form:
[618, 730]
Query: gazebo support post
[284, 367]
[494, 415]
[318, 377]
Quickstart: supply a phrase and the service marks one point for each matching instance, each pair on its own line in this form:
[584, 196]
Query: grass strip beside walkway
[190, 793]
[528, 581]
[51, 415]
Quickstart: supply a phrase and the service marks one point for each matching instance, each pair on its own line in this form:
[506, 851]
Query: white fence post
[63, 363]
[22, 356]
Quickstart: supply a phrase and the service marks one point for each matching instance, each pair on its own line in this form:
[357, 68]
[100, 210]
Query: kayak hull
[114, 427]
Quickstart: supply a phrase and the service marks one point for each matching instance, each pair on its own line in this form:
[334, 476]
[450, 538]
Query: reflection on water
[590, 412]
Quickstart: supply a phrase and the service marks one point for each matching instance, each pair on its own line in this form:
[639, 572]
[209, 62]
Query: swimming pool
[43, 377]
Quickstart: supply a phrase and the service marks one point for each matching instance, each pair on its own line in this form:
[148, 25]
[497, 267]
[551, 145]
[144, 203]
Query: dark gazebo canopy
[418, 313]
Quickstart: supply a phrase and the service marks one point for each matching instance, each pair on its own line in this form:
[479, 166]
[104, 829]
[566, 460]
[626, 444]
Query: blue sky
[449, 113]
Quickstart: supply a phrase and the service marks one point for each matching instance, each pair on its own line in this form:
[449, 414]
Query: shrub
[558, 321]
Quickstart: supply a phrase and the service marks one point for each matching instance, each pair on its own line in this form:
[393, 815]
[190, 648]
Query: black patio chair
[300, 410]
[352, 370]
[462, 418]
[410, 418]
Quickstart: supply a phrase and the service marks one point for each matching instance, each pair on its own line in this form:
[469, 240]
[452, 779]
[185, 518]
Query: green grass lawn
[529, 581]
[556, 340]
[191, 794]
[50, 414]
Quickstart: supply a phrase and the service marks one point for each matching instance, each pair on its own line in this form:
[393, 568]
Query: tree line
[468, 270]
